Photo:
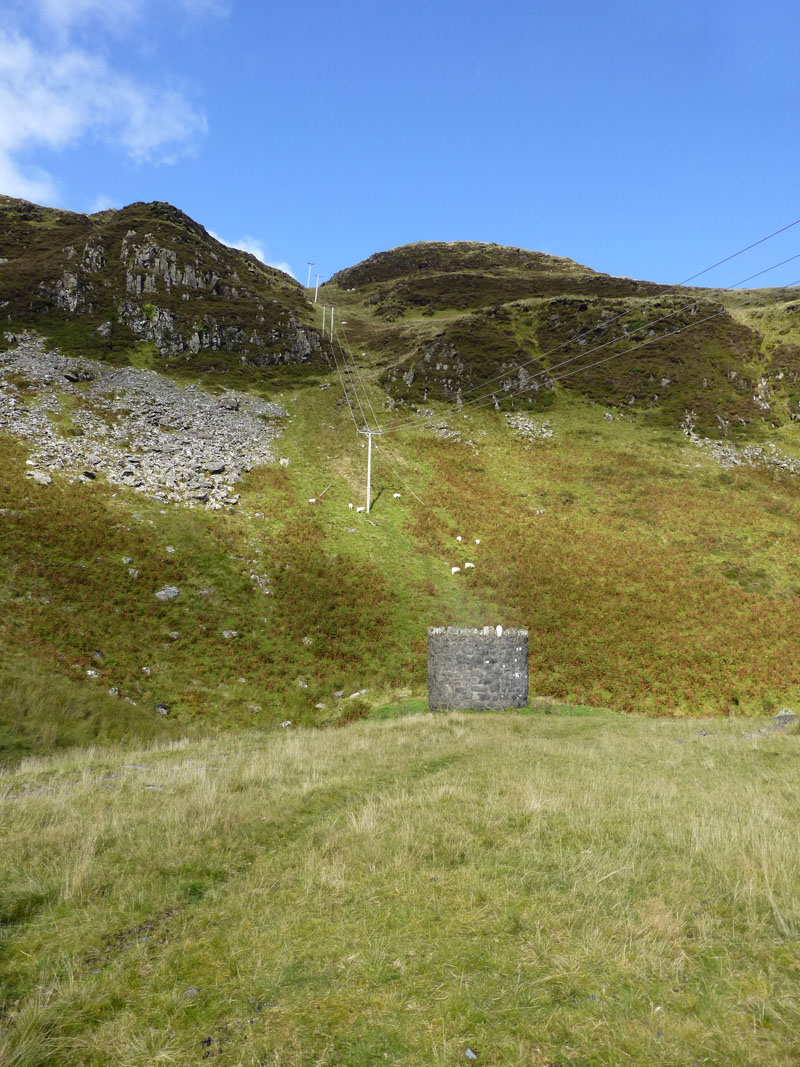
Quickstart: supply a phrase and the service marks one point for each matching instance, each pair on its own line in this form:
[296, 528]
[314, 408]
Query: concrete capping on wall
[482, 669]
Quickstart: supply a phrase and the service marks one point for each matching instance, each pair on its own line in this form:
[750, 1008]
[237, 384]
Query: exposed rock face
[149, 273]
[134, 427]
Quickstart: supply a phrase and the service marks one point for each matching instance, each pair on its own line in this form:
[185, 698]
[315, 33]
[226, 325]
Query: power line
[360, 378]
[733, 255]
[344, 390]
[643, 344]
[666, 292]
[548, 372]
[353, 386]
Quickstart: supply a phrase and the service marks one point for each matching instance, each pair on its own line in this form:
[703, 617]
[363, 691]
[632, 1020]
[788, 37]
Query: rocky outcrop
[148, 273]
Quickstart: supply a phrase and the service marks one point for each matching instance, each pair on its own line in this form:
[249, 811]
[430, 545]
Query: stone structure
[480, 669]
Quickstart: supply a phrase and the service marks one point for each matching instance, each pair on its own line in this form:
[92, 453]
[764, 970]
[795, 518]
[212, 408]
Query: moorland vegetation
[608, 876]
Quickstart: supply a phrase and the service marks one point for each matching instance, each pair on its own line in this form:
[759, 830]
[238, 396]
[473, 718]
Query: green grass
[542, 889]
[40, 713]
[649, 579]
[559, 886]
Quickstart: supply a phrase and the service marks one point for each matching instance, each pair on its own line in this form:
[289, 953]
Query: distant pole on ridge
[316, 291]
[310, 265]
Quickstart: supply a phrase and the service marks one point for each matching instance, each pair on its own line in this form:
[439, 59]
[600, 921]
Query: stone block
[481, 669]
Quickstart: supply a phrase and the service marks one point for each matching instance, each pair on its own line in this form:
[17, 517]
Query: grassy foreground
[539, 889]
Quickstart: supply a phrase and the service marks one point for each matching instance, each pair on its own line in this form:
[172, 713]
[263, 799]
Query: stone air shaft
[481, 669]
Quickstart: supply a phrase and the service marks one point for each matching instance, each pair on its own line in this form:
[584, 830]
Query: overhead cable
[548, 372]
[665, 292]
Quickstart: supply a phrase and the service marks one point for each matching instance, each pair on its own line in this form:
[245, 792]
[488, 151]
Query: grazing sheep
[350, 506]
[467, 565]
[396, 496]
[459, 538]
[312, 500]
[455, 570]
[359, 510]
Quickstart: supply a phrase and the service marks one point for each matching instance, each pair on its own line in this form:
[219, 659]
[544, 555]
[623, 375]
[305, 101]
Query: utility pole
[324, 309]
[316, 291]
[332, 311]
[310, 265]
[369, 434]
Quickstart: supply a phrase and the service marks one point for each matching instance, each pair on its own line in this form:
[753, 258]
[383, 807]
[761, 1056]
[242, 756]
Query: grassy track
[574, 889]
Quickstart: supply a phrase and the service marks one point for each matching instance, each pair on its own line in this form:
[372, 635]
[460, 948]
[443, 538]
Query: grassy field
[572, 888]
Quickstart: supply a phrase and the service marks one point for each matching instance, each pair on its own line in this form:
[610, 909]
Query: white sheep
[455, 570]
[396, 496]
[459, 538]
[468, 565]
[477, 540]
[350, 505]
[359, 510]
[312, 500]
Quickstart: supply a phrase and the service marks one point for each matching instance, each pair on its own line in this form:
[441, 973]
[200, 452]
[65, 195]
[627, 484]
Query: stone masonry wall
[480, 669]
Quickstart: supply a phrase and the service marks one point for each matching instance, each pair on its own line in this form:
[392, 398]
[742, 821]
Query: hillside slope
[147, 273]
[467, 323]
[655, 566]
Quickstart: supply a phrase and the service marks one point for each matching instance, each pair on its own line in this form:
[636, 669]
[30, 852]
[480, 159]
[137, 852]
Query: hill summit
[147, 273]
[472, 322]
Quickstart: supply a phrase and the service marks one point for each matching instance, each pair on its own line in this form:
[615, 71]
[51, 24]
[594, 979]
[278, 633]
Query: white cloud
[55, 98]
[285, 267]
[28, 183]
[63, 16]
[102, 202]
[254, 246]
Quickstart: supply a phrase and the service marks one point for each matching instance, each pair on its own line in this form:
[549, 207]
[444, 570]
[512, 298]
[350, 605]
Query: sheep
[455, 570]
[468, 565]
[396, 496]
[350, 505]
[359, 510]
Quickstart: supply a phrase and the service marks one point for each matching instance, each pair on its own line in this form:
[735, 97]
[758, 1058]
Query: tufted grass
[542, 889]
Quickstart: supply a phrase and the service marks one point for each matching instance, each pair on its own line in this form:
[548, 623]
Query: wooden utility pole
[369, 434]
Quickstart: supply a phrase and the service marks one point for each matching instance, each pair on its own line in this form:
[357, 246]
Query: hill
[218, 787]
[464, 322]
[655, 566]
[147, 274]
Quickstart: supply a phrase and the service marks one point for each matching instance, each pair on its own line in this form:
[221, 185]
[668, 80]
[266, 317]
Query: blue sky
[641, 139]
